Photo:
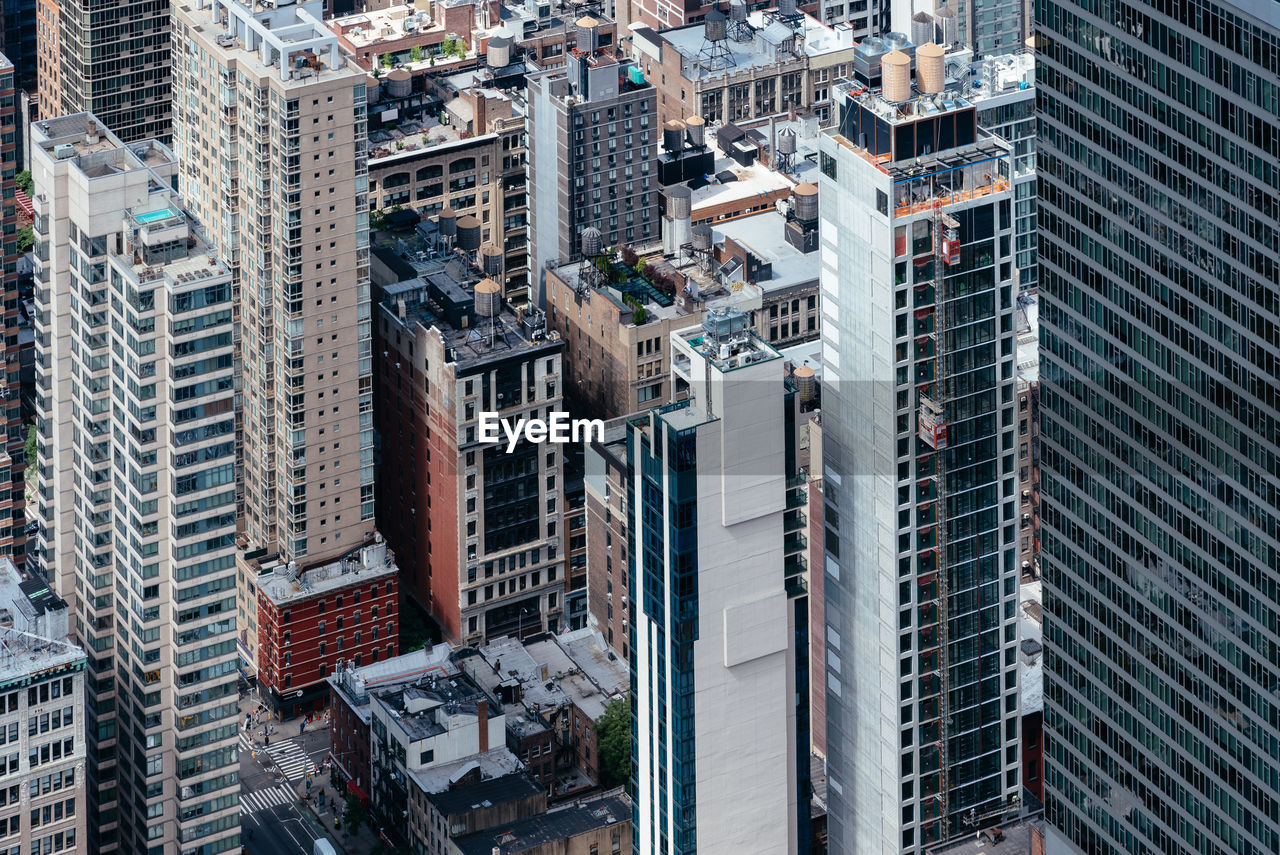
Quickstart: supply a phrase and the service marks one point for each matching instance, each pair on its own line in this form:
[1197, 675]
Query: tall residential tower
[136, 485]
[920, 476]
[720, 618]
[1160, 424]
[270, 128]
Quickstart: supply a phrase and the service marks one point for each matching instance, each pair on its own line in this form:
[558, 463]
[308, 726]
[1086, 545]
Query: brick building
[606, 486]
[349, 706]
[308, 620]
[552, 689]
[478, 528]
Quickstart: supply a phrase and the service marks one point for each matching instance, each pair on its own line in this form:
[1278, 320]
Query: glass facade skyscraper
[1159, 210]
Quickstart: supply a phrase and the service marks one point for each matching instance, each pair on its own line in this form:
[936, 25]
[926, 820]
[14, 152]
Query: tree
[31, 447]
[629, 256]
[386, 60]
[25, 184]
[356, 814]
[376, 220]
[613, 730]
[415, 54]
[26, 239]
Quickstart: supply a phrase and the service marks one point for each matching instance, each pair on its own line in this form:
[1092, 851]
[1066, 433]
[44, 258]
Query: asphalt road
[272, 820]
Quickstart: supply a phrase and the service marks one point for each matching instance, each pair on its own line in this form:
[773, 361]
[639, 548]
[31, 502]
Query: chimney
[480, 120]
[91, 135]
[482, 717]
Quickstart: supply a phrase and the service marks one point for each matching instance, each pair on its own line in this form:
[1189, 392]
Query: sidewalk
[320, 819]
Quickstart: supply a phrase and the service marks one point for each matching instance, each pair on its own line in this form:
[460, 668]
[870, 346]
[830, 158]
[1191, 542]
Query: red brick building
[307, 621]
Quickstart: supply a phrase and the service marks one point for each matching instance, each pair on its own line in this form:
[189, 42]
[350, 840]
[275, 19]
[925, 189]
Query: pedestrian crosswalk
[292, 760]
[252, 802]
[246, 744]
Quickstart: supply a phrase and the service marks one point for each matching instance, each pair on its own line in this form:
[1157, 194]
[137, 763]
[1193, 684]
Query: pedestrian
[266, 740]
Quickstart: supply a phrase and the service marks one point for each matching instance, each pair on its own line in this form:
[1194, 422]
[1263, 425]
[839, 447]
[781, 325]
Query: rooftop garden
[639, 283]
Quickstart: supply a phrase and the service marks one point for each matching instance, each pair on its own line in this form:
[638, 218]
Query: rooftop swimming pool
[153, 216]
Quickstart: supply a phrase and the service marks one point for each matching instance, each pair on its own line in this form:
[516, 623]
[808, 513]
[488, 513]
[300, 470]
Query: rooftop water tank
[488, 298]
[591, 241]
[468, 233]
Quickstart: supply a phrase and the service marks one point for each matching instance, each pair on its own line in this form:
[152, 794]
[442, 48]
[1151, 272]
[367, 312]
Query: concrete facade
[715, 635]
[135, 365]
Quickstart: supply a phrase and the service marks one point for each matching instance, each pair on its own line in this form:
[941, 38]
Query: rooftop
[763, 235]
[727, 351]
[289, 41]
[589, 651]
[998, 77]
[429, 707]
[1030, 658]
[495, 764]
[545, 830]
[487, 793]
[1015, 839]
[164, 242]
[732, 182]
[98, 152]
[443, 296]
[284, 584]
[1028, 321]
[354, 684]
[33, 627]
[769, 42]
[390, 23]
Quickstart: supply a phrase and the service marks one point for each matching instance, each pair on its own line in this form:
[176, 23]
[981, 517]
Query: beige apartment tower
[269, 124]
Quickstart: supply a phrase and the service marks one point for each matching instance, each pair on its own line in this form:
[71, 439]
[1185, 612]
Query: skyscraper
[920, 477]
[115, 65]
[13, 456]
[136, 486]
[270, 129]
[592, 138]
[1160, 471]
[718, 605]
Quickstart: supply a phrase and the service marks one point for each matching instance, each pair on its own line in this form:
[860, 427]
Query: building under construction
[920, 471]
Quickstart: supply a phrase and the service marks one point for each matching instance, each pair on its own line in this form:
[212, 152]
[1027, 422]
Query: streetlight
[520, 623]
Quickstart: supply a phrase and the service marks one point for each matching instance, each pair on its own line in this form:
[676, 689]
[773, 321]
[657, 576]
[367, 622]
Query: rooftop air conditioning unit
[63, 151]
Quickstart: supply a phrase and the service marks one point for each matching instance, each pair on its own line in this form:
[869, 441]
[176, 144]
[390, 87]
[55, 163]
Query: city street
[273, 818]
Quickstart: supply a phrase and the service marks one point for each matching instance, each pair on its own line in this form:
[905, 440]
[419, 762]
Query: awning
[354, 789]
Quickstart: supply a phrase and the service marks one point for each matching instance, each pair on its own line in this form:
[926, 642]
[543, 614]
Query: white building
[42, 720]
[715, 638]
[920, 470]
[137, 481]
